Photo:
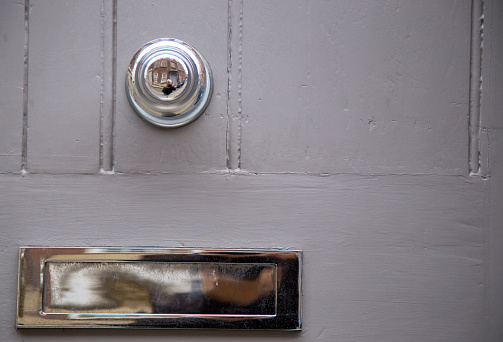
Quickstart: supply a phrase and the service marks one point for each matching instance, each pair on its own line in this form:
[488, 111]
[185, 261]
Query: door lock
[169, 83]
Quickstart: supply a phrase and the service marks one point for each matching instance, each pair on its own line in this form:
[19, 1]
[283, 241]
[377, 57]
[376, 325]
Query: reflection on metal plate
[159, 288]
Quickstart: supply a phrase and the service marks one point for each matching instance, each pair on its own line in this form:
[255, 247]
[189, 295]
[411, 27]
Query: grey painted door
[367, 134]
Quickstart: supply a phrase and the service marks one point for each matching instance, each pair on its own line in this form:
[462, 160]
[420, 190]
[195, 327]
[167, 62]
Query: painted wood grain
[200, 146]
[492, 64]
[492, 161]
[494, 238]
[400, 254]
[12, 41]
[64, 86]
[356, 87]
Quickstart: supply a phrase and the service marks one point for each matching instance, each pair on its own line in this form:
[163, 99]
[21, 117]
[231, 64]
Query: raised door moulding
[107, 287]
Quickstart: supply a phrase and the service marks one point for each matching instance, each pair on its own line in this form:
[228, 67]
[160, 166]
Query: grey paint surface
[12, 42]
[491, 132]
[366, 88]
[64, 130]
[201, 146]
[411, 263]
[363, 166]
[493, 66]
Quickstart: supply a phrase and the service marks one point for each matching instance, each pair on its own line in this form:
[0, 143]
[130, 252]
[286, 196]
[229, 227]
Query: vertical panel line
[102, 95]
[240, 83]
[114, 83]
[234, 84]
[476, 55]
[106, 87]
[228, 142]
[24, 141]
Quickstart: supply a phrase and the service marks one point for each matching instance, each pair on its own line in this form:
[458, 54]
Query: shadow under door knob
[169, 83]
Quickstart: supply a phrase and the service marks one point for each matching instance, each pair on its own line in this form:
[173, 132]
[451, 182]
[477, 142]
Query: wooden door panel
[64, 88]
[356, 87]
[12, 50]
[200, 146]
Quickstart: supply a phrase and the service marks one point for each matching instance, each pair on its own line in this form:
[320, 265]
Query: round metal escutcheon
[169, 83]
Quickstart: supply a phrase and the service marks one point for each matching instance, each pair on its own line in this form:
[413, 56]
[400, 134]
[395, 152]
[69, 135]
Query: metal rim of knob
[169, 83]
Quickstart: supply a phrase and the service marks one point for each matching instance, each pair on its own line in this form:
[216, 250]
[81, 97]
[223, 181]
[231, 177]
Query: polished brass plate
[159, 288]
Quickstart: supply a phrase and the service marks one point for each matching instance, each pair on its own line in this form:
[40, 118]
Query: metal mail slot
[159, 288]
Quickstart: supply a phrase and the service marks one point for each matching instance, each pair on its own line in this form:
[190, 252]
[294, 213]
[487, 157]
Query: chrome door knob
[169, 83]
